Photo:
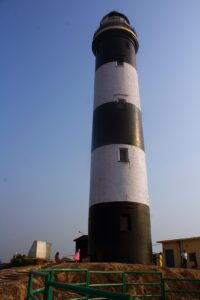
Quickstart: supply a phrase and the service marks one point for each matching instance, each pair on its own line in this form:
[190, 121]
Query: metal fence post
[30, 285]
[123, 283]
[52, 275]
[87, 278]
[48, 293]
[163, 289]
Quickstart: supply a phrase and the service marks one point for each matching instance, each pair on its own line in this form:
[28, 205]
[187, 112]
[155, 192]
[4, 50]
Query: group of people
[159, 258]
[76, 257]
[184, 259]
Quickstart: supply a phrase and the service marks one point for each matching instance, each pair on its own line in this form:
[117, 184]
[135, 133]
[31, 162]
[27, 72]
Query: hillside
[13, 281]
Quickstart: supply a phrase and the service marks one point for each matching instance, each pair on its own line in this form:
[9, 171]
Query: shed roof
[82, 237]
[180, 239]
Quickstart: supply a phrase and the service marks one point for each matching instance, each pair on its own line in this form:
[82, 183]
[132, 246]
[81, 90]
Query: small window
[122, 100]
[121, 103]
[193, 259]
[125, 223]
[120, 63]
[123, 154]
[192, 256]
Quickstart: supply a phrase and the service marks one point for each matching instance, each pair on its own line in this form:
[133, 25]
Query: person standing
[184, 257]
[160, 260]
[57, 258]
[77, 256]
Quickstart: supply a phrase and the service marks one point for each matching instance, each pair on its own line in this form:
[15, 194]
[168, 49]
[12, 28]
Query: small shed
[172, 250]
[82, 244]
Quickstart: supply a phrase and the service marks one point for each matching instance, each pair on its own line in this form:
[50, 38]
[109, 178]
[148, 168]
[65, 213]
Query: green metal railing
[124, 281]
[181, 290]
[85, 290]
[38, 273]
[158, 284]
[49, 275]
[124, 284]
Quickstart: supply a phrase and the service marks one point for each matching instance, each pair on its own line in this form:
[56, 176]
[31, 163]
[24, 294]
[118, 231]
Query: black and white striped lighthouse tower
[119, 219]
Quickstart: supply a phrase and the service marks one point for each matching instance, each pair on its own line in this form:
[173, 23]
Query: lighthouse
[119, 218]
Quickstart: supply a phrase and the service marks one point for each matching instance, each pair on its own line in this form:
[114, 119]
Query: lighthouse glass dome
[114, 17]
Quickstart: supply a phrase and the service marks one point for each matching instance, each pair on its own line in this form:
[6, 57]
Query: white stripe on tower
[113, 83]
[114, 181]
[119, 219]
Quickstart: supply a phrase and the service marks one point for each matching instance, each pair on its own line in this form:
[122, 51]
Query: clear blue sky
[46, 104]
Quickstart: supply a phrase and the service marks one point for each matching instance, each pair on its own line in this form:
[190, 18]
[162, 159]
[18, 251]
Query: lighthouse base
[120, 232]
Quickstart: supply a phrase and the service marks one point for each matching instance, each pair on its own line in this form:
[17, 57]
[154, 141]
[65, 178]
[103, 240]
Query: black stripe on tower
[115, 232]
[117, 123]
[114, 45]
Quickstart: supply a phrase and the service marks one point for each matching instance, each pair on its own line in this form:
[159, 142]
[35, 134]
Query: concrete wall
[40, 249]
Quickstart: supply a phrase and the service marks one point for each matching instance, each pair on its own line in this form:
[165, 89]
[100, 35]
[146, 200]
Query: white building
[40, 249]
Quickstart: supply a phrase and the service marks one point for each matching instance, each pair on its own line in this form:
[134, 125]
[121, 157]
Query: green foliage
[18, 260]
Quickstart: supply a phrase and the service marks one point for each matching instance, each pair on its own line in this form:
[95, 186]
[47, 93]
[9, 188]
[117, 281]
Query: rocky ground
[13, 281]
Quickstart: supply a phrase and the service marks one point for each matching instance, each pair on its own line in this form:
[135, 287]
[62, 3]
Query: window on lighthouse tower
[125, 222]
[122, 100]
[120, 63]
[123, 155]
